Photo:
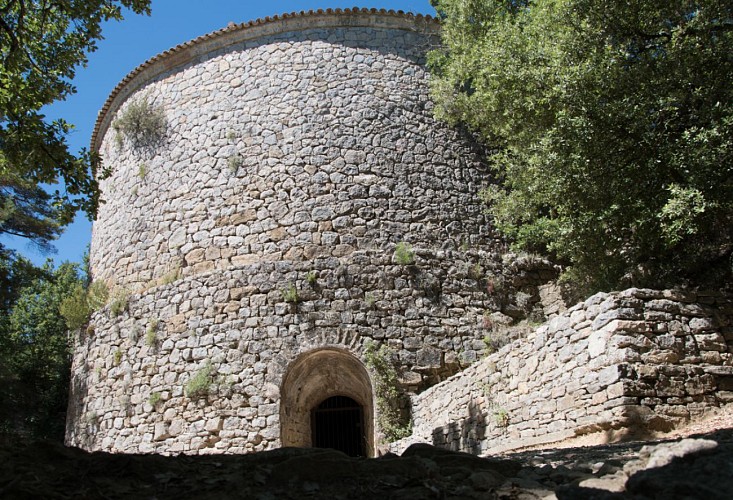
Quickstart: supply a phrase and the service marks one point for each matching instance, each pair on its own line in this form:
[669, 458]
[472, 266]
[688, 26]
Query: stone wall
[262, 227]
[617, 363]
[295, 142]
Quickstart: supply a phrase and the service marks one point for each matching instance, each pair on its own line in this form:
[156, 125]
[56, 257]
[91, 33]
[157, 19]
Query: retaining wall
[617, 363]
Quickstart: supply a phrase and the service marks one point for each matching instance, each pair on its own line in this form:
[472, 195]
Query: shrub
[404, 254]
[388, 394]
[501, 417]
[200, 384]
[154, 398]
[141, 123]
[75, 308]
[171, 276]
[119, 302]
[475, 272]
[234, 162]
[142, 171]
[97, 295]
[311, 278]
[117, 357]
[151, 338]
[290, 294]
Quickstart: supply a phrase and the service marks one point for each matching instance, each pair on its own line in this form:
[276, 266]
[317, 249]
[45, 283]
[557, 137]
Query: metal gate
[338, 423]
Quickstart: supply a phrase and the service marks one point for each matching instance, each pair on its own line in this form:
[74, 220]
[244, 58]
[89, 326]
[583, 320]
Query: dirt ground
[49, 470]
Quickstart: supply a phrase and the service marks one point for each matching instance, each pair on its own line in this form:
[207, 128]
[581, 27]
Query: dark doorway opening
[338, 423]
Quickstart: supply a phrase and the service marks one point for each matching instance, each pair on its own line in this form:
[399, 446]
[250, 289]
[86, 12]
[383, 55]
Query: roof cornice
[235, 33]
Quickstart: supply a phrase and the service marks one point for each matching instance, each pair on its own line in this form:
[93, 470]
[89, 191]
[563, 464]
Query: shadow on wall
[464, 435]
[636, 422]
[75, 419]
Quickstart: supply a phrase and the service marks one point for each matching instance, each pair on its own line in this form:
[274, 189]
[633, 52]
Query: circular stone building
[281, 204]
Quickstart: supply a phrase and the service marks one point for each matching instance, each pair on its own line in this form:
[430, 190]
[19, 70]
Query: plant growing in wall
[501, 417]
[154, 399]
[171, 276]
[142, 124]
[234, 162]
[92, 418]
[200, 384]
[120, 300]
[311, 278]
[404, 255]
[151, 338]
[290, 294]
[388, 394]
[77, 307]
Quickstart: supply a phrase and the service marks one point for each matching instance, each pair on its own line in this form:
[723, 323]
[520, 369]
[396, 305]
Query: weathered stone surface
[297, 156]
[556, 383]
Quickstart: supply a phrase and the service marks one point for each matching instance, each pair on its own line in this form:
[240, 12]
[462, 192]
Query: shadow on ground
[48, 470]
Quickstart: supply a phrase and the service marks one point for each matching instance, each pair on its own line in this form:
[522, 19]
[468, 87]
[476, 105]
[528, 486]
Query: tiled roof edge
[233, 33]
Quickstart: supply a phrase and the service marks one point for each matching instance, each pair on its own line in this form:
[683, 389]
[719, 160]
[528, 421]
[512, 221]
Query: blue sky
[131, 42]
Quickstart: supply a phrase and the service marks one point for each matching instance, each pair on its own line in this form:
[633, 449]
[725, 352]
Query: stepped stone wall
[256, 239]
[617, 363]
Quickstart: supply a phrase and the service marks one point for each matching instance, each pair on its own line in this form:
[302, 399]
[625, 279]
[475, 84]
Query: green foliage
[404, 254]
[290, 294]
[35, 352]
[75, 308]
[41, 45]
[117, 357]
[142, 124]
[311, 278]
[501, 417]
[171, 276]
[78, 306]
[142, 171]
[612, 126]
[234, 162]
[154, 399]
[92, 418]
[28, 211]
[151, 338]
[475, 272]
[200, 384]
[387, 392]
[97, 295]
[119, 302]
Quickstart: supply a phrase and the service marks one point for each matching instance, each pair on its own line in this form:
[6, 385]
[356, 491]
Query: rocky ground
[695, 462]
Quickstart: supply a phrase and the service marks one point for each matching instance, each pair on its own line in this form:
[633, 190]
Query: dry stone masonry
[633, 361]
[285, 203]
[256, 237]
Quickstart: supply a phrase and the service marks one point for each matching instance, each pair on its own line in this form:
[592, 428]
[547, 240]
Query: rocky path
[694, 463]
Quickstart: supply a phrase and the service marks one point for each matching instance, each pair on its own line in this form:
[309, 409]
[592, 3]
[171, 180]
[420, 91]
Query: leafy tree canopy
[612, 124]
[42, 42]
[35, 351]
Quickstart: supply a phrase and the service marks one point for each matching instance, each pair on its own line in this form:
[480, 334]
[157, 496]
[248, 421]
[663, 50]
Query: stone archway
[312, 379]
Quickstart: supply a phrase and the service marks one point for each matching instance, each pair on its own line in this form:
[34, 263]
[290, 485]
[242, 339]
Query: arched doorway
[327, 401]
[338, 423]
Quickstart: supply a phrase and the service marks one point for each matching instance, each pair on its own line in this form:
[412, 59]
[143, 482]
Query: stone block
[711, 342]
[429, 357]
[214, 424]
[161, 431]
[658, 357]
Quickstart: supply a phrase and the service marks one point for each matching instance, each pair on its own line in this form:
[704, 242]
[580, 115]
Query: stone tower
[294, 203]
